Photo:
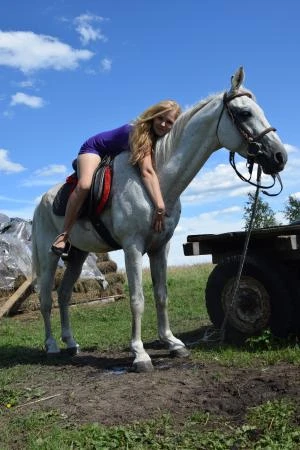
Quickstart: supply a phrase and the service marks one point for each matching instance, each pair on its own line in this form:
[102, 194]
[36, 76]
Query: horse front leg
[133, 261]
[158, 266]
[71, 275]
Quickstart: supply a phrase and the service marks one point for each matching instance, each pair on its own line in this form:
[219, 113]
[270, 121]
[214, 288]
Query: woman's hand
[159, 220]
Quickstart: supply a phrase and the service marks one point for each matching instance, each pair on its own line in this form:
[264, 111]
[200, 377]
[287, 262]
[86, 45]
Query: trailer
[268, 292]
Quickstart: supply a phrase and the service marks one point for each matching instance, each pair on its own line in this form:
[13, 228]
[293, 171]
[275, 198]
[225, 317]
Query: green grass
[268, 426]
[186, 308]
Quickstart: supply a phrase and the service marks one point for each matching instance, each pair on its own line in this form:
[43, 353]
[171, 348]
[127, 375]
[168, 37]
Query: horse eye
[245, 114]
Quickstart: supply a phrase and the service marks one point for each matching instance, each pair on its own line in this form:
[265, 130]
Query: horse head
[250, 134]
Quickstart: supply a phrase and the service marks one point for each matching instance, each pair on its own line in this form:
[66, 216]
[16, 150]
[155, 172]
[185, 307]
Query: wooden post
[16, 298]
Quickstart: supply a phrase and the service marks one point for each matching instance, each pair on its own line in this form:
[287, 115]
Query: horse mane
[166, 145]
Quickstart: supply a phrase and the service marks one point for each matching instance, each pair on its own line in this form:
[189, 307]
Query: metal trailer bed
[268, 292]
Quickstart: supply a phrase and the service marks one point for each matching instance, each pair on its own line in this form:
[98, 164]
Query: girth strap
[94, 212]
[103, 231]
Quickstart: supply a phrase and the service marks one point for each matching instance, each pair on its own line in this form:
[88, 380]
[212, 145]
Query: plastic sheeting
[15, 251]
[15, 255]
[91, 271]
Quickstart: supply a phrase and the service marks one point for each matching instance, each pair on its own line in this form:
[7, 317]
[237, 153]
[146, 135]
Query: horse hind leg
[71, 275]
[45, 286]
[44, 265]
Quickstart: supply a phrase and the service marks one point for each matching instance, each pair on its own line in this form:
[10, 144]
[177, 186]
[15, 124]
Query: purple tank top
[109, 143]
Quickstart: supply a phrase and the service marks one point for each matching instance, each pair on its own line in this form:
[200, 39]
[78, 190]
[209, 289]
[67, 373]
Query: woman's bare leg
[86, 166]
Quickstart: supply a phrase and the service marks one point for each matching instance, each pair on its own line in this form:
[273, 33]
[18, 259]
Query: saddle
[96, 200]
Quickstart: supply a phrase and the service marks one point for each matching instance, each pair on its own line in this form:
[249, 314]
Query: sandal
[61, 251]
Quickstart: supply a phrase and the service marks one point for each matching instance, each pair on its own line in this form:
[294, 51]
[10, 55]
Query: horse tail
[34, 257]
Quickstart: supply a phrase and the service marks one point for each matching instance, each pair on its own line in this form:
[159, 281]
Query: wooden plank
[258, 233]
[281, 242]
[99, 300]
[16, 298]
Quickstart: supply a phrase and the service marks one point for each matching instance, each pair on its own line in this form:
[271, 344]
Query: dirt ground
[99, 387]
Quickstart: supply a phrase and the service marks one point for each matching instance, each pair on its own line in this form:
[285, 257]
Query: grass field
[267, 425]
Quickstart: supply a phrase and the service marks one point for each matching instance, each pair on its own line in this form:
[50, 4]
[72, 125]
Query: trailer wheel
[262, 300]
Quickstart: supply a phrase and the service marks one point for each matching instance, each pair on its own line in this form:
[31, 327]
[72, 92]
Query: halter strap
[247, 134]
[227, 98]
[260, 135]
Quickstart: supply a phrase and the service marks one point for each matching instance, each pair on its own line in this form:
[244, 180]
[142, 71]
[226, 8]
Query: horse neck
[196, 143]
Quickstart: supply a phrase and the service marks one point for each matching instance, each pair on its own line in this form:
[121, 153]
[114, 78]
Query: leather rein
[254, 144]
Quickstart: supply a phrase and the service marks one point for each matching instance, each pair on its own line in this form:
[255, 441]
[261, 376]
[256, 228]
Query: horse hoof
[52, 350]
[181, 352]
[72, 351]
[142, 366]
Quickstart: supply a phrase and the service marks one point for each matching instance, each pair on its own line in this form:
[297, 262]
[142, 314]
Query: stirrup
[61, 251]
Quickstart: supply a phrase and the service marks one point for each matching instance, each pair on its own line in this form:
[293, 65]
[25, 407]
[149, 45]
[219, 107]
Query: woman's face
[163, 123]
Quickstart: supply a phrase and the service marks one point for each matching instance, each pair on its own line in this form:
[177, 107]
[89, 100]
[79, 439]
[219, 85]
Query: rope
[243, 258]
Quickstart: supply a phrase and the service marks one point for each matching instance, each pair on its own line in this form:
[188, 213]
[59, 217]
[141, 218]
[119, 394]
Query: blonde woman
[140, 137]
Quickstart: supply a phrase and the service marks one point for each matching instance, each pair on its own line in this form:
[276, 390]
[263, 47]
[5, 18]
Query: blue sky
[72, 68]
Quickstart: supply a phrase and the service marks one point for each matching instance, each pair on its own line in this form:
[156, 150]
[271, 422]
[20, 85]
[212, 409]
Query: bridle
[254, 145]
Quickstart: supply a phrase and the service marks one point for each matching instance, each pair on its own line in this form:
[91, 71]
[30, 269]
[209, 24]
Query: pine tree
[291, 210]
[264, 216]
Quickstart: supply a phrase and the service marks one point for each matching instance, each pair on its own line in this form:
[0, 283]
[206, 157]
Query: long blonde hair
[142, 139]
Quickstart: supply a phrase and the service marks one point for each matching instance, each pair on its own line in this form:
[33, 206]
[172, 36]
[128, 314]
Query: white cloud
[87, 31]
[296, 195]
[47, 181]
[291, 148]
[215, 222]
[106, 65]
[242, 191]
[38, 199]
[8, 166]
[29, 100]
[52, 169]
[26, 83]
[4, 198]
[23, 212]
[290, 174]
[213, 184]
[210, 222]
[9, 114]
[28, 52]
[47, 176]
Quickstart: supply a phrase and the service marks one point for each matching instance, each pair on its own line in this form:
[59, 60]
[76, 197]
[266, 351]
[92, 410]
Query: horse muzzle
[271, 162]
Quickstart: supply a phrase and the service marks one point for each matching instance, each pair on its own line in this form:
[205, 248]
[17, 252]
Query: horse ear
[237, 79]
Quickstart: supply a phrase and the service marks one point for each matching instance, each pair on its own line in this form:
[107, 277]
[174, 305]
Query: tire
[262, 299]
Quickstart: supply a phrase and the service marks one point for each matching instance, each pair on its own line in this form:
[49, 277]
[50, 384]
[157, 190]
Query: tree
[291, 210]
[264, 216]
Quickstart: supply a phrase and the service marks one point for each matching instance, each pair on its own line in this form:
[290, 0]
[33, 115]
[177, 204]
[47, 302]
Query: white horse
[232, 120]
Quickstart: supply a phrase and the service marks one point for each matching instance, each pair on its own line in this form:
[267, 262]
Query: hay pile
[85, 289]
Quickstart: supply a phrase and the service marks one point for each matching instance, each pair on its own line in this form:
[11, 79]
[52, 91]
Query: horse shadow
[22, 355]
[11, 356]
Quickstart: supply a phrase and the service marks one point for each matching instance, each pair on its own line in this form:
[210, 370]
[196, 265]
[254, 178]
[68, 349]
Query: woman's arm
[151, 182]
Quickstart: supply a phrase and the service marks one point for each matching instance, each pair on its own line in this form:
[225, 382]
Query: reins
[243, 257]
[248, 180]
